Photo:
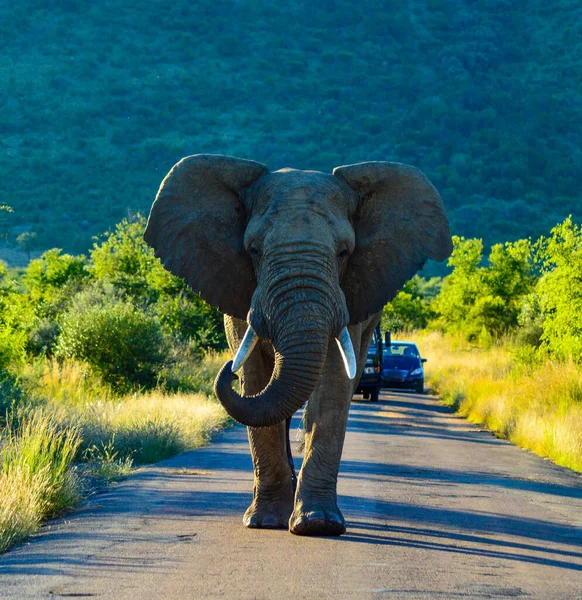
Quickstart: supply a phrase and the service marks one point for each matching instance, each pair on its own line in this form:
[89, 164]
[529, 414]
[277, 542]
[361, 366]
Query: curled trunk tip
[297, 370]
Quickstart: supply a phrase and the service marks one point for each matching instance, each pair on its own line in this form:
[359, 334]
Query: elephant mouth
[300, 358]
[299, 309]
[343, 341]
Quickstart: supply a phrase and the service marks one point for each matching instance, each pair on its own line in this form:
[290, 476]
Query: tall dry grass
[36, 478]
[536, 405]
[73, 432]
[150, 427]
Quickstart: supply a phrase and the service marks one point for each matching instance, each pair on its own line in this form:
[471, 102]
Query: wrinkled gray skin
[298, 255]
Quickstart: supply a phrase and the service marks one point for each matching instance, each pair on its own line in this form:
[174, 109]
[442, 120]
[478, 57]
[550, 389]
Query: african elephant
[297, 261]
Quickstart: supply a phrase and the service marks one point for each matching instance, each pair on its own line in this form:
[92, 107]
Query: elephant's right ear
[196, 227]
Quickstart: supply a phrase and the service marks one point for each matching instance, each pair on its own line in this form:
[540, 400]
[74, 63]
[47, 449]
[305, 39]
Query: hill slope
[100, 99]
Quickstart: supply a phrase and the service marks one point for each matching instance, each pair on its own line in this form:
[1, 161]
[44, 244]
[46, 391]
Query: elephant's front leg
[274, 487]
[316, 510]
[274, 476]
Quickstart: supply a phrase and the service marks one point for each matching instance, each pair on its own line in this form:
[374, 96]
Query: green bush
[51, 282]
[51, 272]
[124, 260]
[122, 343]
[560, 291]
[16, 320]
[484, 302]
[187, 318]
[411, 308]
[531, 322]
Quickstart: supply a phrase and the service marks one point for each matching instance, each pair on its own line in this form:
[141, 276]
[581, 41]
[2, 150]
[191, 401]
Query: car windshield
[397, 350]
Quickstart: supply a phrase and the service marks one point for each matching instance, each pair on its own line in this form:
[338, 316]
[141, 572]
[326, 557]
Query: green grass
[37, 480]
[74, 434]
[537, 406]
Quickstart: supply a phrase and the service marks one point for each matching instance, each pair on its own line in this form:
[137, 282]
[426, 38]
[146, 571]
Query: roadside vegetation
[537, 406]
[106, 362]
[504, 338]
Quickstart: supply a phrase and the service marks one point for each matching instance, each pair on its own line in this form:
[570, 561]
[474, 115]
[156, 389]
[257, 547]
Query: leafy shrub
[411, 309]
[46, 275]
[123, 259]
[484, 302]
[531, 321]
[51, 282]
[188, 319]
[12, 346]
[43, 337]
[560, 291]
[123, 343]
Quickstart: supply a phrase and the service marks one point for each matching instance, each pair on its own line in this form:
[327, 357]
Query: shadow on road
[423, 476]
[203, 492]
[459, 543]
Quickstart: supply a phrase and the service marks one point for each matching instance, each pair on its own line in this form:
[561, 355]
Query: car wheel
[374, 395]
[419, 387]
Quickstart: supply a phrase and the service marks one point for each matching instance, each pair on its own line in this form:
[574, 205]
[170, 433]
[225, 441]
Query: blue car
[402, 366]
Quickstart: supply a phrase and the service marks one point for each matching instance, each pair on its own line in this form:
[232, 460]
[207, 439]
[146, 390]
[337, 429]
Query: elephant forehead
[289, 187]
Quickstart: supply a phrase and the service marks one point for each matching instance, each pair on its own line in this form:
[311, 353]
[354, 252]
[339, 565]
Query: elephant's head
[298, 254]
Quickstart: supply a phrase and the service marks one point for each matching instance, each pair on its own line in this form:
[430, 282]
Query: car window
[373, 348]
[402, 350]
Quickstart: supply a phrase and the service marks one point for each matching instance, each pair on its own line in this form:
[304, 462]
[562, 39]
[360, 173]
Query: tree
[28, 242]
[461, 288]
[124, 260]
[485, 301]
[411, 309]
[560, 291]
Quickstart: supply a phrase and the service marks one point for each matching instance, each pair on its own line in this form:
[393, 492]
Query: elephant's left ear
[399, 223]
[196, 227]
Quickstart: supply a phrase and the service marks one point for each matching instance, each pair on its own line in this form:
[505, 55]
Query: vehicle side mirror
[423, 360]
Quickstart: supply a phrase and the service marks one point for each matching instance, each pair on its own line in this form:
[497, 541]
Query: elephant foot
[317, 520]
[269, 514]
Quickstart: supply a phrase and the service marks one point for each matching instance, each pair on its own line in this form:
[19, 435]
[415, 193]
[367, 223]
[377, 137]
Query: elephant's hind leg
[274, 485]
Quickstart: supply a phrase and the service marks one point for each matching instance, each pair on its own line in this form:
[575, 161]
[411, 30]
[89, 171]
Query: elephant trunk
[300, 308]
[299, 360]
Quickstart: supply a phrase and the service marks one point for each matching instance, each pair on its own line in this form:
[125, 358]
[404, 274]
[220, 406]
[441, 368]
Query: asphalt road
[436, 508]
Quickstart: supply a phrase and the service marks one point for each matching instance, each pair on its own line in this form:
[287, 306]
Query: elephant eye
[343, 253]
[254, 251]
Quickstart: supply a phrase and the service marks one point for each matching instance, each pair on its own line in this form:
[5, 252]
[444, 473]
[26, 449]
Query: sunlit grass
[66, 382]
[148, 428]
[75, 432]
[537, 406]
[36, 480]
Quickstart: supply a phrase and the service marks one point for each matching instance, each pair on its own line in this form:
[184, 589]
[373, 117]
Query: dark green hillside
[99, 99]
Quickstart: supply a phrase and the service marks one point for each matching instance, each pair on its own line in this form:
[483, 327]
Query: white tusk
[249, 341]
[347, 351]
